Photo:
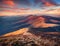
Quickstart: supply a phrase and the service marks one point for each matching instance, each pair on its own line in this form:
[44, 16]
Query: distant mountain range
[14, 23]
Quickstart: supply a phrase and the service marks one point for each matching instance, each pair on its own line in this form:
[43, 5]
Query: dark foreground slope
[29, 39]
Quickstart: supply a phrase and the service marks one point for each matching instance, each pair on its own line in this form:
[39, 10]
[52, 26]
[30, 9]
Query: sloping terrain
[29, 39]
[30, 31]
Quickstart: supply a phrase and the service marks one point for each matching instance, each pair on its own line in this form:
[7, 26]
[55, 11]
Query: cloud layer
[22, 7]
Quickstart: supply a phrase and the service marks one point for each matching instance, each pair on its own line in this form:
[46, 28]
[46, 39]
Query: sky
[26, 7]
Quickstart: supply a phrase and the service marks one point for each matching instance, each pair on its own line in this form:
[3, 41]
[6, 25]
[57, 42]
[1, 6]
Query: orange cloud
[46, 3]
[9, 2]
[18, 11]
[24, 8]
[8, 11]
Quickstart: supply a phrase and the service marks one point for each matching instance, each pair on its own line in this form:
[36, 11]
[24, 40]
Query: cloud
[47, 3]
[9, 2]
[55, 11]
